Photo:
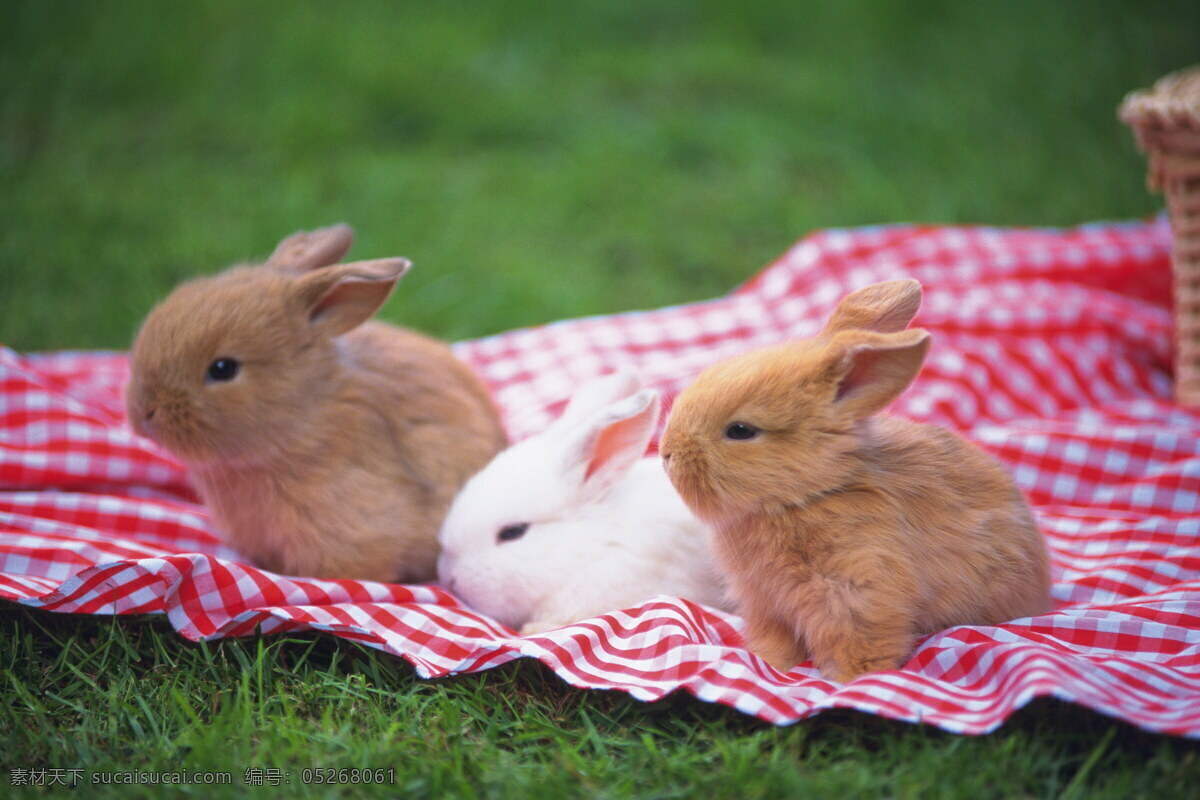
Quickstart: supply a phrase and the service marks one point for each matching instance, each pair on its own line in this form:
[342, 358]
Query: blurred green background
[539, 160]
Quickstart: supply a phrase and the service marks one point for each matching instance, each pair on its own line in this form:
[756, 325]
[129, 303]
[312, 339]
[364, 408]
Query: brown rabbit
[846, 535]
[323, 444]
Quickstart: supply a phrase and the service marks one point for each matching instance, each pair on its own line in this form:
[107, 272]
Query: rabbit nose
[140, 422]
[143, 423]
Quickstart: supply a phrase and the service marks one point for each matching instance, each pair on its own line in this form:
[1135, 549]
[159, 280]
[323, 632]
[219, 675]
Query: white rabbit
[574, 522]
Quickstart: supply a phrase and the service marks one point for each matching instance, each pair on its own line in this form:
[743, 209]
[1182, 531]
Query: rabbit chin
[478, 595]
[702, 489]
[491, 603]
[690, 479]
[212, 453]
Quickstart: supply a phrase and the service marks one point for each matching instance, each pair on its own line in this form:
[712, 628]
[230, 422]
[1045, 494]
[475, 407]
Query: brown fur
[338, 448]
[846, 535]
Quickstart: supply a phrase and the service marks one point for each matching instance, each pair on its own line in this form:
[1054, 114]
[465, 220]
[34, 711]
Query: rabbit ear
[341, 298]
[882, 307]
[873, 369]
[596, 394]
[308, 250]
[604, 448]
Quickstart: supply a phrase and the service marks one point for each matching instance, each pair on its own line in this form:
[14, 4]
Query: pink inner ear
[331, 298]
[862, 372]
[613, 442]
[352, 297]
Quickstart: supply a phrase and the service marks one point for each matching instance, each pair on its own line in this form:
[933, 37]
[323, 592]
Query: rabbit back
[363, 491]
[442, 415]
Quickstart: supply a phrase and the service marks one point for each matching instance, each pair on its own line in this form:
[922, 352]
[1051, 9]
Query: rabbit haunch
[573, 522]
[846, 535]
[322, 444]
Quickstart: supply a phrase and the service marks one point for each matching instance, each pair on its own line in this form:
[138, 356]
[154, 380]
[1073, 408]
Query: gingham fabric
[1052, 350]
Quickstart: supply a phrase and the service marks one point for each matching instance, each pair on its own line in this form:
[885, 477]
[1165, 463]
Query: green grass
[539, 160]
[536, 161]
[107, 695]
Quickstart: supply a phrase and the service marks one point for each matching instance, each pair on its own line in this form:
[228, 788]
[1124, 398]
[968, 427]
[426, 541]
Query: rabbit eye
[510, 532]
[741, 432]
[223, 369]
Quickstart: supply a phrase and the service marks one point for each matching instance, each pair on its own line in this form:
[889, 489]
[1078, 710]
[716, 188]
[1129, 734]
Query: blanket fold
[1051, 349]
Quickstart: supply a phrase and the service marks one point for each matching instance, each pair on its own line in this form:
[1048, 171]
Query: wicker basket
[1166, 120]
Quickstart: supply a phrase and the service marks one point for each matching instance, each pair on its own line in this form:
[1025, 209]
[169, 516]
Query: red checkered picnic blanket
[1051, 349]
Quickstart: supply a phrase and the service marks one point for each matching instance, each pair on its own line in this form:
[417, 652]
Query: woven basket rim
[1173, 101]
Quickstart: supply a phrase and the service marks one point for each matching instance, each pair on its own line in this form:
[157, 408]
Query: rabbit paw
[776, 644]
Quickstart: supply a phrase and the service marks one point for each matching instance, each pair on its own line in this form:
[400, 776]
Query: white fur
[595, 543]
